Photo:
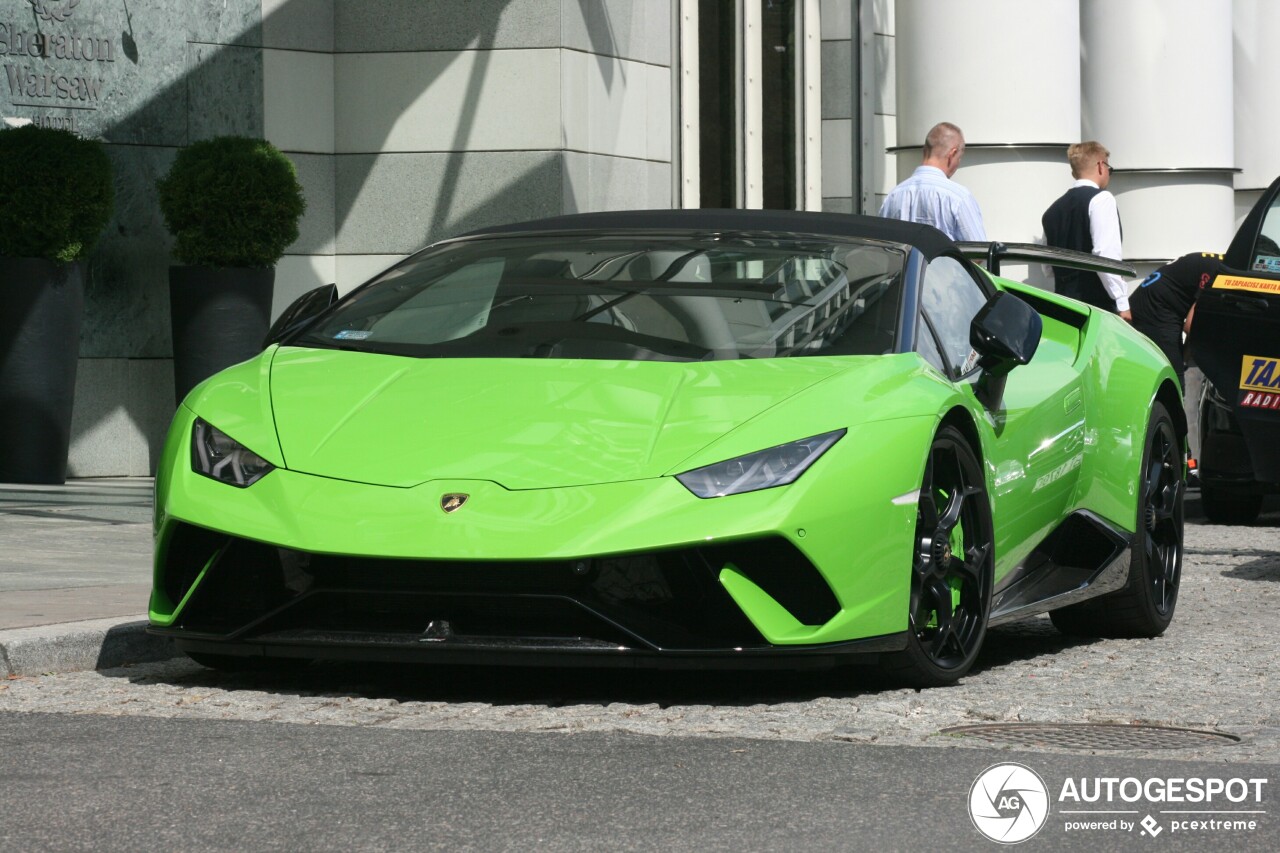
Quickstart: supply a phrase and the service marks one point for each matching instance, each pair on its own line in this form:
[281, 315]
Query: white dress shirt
[1104, 230]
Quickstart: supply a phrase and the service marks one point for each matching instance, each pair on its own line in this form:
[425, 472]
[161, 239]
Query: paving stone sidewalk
[75, 575]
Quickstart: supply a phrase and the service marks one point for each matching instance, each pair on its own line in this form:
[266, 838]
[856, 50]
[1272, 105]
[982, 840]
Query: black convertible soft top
[930, 241]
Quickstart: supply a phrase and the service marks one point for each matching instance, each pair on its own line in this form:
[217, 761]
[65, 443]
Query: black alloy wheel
[951, 569]
[1161, 516]
[1144, 606]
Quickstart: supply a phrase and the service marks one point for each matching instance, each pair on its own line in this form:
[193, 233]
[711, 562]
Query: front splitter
[531, 651]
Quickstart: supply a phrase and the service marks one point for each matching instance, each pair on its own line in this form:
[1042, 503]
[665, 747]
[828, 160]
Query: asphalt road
[353, 757]
[134, 783]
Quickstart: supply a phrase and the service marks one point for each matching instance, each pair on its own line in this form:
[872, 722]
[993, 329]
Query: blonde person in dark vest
[1085, 219]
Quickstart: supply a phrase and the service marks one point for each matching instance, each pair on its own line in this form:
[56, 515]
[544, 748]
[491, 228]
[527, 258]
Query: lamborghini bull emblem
[453, 502]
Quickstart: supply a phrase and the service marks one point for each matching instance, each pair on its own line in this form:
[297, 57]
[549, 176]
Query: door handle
[1250, 304]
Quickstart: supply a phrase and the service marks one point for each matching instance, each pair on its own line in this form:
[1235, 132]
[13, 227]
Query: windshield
[634, 298]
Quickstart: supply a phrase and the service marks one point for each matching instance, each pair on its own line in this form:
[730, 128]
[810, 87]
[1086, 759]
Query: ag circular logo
[1008, 803]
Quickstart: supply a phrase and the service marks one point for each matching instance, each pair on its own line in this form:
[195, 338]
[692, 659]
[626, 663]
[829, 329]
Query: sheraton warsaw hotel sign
[75, 82]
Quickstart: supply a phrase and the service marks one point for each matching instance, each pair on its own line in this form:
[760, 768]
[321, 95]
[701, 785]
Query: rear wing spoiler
[995, 252]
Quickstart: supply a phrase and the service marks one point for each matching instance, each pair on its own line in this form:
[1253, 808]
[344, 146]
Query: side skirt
[1084, 557]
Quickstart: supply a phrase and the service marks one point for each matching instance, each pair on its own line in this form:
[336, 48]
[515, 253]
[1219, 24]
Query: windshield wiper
[600, 309]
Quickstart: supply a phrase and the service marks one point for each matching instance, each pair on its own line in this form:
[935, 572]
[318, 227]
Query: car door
[1235, 333]
[1037, 436]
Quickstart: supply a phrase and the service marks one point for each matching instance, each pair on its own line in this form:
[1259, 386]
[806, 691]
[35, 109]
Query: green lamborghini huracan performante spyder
[675, 438]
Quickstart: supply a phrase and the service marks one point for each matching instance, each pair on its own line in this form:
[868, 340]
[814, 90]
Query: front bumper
[310, 566]
[657, 608]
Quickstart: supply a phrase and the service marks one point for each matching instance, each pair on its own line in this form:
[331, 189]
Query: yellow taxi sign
[1260, 382]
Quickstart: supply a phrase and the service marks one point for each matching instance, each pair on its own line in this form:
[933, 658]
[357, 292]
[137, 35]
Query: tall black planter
[219, 317]
[41, 306]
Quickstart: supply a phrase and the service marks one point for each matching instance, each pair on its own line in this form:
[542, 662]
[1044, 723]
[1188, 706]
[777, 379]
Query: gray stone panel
[837, 79]
[212, 21]
[298, 100]
[632, 30]
[469, 100]
[618, 108]
[224, 91]
[127, 287]
[298, 24]
[112, 72]
[886, 82]
[151, 112]
[837, 205]
[594, 182]
[315, 231]
[837, 18]
[396, 203]
[837, 158]
[121, 413]
[387, 25]
[662, 186]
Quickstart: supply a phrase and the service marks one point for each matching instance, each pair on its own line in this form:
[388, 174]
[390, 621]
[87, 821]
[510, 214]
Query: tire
[247, 663]
[1144, 606]
[1228, 508]
[952, 568]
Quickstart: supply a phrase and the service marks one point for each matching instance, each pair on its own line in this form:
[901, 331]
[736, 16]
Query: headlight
[763, 469]
[219, 456]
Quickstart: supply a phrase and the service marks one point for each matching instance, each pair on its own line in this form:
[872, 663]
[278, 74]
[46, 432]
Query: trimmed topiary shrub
[232, 201]
[56, 193]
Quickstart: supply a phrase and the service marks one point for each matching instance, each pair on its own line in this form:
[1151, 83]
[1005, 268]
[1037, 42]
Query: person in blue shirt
[930, 197]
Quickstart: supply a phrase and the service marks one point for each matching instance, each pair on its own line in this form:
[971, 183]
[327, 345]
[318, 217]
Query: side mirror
[301, 311]
[1006, 333]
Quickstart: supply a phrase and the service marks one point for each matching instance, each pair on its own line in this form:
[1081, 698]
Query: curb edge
[79, 646]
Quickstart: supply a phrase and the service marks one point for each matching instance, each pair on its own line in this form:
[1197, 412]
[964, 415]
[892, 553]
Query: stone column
[1257, 122]
[1157, 91]
[1008, 73]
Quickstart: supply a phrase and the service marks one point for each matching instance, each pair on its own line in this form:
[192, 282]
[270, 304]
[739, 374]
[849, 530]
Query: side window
[950, 298]
[927, 346]
[1266, 251]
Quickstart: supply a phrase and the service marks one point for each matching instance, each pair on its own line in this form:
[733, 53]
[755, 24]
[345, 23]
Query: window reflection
[950, 299]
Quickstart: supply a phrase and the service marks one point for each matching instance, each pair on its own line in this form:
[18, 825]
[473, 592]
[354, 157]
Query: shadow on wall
[452, 184]
[209, 80]
[221, 90]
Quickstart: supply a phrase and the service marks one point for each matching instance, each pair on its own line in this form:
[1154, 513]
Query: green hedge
[56, 193]
[232, 201]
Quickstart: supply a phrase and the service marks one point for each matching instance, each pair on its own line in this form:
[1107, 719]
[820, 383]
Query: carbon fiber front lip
[527, 651]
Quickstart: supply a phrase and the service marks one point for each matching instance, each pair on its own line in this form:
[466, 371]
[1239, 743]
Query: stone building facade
[414, 120]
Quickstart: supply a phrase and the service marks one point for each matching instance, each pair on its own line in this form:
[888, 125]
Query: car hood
[521, 423]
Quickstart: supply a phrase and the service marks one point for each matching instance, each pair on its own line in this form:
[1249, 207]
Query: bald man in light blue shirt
[930, 197]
